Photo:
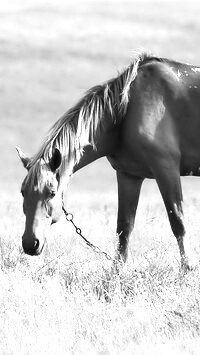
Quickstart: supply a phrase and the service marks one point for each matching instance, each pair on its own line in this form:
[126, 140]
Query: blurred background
[51, 52]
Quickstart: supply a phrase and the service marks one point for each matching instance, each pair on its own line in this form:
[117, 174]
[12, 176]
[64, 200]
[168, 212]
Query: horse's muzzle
[32, 246]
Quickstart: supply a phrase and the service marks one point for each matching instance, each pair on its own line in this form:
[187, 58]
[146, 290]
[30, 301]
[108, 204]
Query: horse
[146, 121]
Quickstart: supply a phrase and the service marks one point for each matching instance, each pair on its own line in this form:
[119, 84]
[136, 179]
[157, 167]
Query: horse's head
[42, 199]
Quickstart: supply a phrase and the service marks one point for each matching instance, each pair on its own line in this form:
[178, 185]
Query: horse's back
[163, 119]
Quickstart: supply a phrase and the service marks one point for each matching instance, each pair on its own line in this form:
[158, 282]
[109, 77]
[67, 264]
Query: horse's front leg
[128, 195]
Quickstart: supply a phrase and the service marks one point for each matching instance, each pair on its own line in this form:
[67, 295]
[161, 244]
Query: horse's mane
[81, 124]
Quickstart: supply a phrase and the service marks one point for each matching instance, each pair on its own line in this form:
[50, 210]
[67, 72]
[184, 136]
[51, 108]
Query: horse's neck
[105, 145]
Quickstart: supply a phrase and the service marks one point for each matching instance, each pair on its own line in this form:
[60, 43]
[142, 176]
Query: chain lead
[70, 218]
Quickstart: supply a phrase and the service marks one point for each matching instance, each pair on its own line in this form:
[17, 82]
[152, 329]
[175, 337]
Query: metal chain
[70, 218]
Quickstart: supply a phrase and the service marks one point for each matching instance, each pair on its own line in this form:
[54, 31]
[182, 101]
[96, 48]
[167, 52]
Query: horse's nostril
[36, 244]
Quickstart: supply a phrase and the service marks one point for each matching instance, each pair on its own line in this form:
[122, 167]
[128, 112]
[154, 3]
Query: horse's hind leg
[128, 196]
[168, 179]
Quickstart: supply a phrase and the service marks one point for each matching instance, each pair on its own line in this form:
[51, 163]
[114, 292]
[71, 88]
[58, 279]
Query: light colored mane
[81, 124]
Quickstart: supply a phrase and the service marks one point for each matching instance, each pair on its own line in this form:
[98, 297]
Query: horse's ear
[25, 160]
[55, 160]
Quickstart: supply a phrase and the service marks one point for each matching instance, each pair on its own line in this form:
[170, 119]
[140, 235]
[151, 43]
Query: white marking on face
[196, 70]
[48, 179]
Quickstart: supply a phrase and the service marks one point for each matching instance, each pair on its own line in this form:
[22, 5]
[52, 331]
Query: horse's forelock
[37, 176]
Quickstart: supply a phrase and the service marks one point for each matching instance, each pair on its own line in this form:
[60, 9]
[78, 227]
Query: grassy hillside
[67, 301]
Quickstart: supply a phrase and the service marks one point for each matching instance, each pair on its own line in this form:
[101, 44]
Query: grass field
[66, 301]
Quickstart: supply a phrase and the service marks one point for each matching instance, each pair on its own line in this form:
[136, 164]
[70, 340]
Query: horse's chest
[124, 162]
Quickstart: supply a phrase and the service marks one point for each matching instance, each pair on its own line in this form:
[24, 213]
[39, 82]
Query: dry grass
[67, 300]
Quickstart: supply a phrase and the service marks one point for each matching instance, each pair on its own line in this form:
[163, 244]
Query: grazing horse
[146, 121]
